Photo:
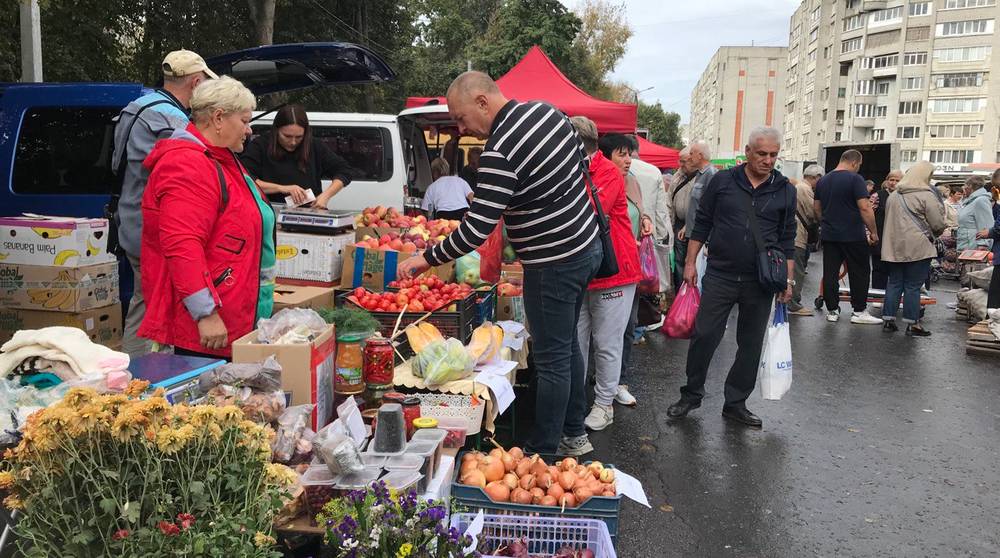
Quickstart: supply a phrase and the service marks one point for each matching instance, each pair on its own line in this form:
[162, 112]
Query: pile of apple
[505, 288]
[380, 216]
[393, 241]
[510, 476]
[422, 294]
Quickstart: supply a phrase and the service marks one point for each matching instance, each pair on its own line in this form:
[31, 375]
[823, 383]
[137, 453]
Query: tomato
[383, 306]
[416, 306]
[359, 293]
[393, 308]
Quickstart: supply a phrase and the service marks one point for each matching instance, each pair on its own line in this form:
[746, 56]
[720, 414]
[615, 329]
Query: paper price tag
[630, 487]
[498, 368]
[474, 530]
[503, 392]
[511, 328]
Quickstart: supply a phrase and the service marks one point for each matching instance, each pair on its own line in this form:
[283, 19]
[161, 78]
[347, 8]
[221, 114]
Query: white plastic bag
[775, 372]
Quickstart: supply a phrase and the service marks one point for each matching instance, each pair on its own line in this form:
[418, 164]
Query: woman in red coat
[208, 232]
[608, 302]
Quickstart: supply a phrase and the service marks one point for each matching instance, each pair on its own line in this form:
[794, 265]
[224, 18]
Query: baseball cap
[180, 63]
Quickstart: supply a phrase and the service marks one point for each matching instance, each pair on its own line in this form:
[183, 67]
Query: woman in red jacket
[208, 232]
[608, 302]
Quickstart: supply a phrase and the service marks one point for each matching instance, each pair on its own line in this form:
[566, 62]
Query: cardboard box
[306, 370]
[375, 232]
[375, 269]
[58, 241]
[301, 296]
[103, 325]
[511, 308]
[59, 289]
[314, 258]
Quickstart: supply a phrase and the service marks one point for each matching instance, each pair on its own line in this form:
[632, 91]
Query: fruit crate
[545, 535]
[486, 305]
[473, 498]
[457, 324]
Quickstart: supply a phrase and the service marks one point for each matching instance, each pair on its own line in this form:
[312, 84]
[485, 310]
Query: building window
[854, 22]
[919, 9]
[962, 54]
[955, 130]
[851, 4]
[824, 94]
[864, 111]
[837, 136]
[851, 45]
[954, 156]
[918, 33]
[826, 52]
[908, 156]
[972, 79]
[877, 62]
[884, 38]
[956, 105]
[908, 132]
[912, 83]
[841, 92]
[911, 107]
[812, 54]
[814, 16]
[881, 111]
[878, 134]
[970, 27]
[812, 34]
[914, 58]
[959, 4]
[882, 88]
[888, 15]
[865, 87]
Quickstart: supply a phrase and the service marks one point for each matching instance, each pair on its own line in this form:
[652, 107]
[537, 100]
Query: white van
[389, 153]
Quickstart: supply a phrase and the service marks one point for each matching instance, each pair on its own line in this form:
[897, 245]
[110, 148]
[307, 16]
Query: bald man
[532, 173]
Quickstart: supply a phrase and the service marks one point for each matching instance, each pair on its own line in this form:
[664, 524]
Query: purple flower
[357, 496]
[347, 527]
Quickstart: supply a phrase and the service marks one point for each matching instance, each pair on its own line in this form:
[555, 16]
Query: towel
[69, 345]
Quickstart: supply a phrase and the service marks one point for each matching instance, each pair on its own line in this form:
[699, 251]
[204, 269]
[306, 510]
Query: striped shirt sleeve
[492, 194]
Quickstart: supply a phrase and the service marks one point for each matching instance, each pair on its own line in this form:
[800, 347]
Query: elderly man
[142, 122]
[532, 173]
[806, 229]
[731, 278]
[678, 196]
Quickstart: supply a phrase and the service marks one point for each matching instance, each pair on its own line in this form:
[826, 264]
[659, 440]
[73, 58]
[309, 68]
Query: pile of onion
[511, 476]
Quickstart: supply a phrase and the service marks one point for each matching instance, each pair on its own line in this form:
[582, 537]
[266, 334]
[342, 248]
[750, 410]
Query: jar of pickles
[349, 377]
[411, 412]
[378, 363]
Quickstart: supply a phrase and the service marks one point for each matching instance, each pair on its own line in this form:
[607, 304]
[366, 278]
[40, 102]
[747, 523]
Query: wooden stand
[981, 341]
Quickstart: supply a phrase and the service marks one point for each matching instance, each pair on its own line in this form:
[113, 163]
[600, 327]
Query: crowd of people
[195, 223]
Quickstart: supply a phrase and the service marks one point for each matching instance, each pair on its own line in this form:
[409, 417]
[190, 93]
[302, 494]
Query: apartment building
[915, 72]
[741, 88]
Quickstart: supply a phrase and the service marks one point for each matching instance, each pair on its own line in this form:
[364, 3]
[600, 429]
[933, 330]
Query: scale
[315, 220]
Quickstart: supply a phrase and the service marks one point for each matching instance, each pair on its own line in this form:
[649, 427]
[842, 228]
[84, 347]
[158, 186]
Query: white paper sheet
[515, 343]
[511, 328]
[503, 392]
[474, 530]
[497, 368]
[628, 486]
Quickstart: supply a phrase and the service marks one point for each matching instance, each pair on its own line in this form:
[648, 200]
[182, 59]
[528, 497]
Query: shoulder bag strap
[602, 218]
[758, 240]
[913, 217]
[677, 190]
[123, 161]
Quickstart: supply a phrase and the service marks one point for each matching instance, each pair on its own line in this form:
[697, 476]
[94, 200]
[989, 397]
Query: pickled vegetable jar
[411, 412]
[378, 361]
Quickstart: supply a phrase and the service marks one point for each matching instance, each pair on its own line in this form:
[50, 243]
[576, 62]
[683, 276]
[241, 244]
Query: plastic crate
[445, 405]
[545, 535]
[604, 508]
[457, 324]
[486, 306]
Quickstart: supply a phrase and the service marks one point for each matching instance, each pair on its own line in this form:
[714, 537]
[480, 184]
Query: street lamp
[635, 93]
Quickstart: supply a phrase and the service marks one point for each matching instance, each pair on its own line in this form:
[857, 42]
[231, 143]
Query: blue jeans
[553, 296]
[905, 280]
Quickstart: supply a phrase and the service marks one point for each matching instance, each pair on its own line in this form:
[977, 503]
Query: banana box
[310, 259]
[54, 241]
[102, 325]
[58, 289]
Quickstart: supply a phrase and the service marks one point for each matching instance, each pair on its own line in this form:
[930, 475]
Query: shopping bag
[775, 372]
[650, 282]
[491, 255]
[680, 320]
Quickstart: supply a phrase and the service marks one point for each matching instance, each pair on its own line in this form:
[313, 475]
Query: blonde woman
[208, 231]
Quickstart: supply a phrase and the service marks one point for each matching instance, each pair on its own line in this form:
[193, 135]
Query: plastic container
[401, 482]
[433, 435]
[456, 428]
[439, 488]
[408, 463]
[424, 423]
[318, 484]
[428, 451]
[545, 535]
[372, 460]
[390, 431]
[357, 481]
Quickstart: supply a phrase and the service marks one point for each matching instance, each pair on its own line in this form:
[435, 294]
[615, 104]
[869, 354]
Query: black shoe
[917, 331]
[890, 326]
[682, 408]
[742, 415]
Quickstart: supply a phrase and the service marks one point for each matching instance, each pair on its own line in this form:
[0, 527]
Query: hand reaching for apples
[412, 266]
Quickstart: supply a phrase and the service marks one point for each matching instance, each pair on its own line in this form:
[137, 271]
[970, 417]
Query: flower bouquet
[121, 475]
[370, 523]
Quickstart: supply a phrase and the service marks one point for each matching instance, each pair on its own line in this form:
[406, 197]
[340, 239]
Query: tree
[262, 15]
[604, 33]
[663, 126]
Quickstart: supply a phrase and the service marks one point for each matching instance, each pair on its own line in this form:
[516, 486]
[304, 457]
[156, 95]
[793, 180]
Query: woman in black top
[286, 161]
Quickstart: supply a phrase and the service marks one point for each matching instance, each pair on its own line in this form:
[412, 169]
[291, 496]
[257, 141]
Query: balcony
[872, 5]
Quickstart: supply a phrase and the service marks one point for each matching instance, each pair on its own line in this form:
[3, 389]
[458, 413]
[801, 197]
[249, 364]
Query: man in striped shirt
[531, 173]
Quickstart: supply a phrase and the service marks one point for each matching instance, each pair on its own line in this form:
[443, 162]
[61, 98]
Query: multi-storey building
[913, 72]
[741, 88]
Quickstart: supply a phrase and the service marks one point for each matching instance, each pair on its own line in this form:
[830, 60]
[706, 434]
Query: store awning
[657, 155]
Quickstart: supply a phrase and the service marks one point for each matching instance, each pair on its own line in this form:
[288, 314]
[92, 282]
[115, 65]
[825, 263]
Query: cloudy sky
[673, 40]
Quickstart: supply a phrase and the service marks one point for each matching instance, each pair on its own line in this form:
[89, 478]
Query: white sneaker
[600, 417]
[623, 397]
[865, 318]
[877, 305]
[832, 315]
[575, 447]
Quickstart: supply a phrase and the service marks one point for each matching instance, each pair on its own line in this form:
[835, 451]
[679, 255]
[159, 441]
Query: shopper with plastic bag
[750, 211]
[683, 312]
[776, 361]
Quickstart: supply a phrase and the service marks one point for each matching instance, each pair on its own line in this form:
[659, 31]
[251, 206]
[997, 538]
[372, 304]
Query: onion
[510, 479]
[582, 494]
[508, 462]
[536, 495]
[608, 475]
[527, 482]
[492, 468]
[554, 471]
[595, 466]
[568, 464]
[468, 466]
[474, 478]
[568, 500]
[566, 479]
[516, 453]
[470, 456]
[520, 496]
[556, 491]
[498, 491]
[544, 480]
[586, 553]
[548, 500]
[538, 467]
[609, 490]
[523, 467]
[581, 472]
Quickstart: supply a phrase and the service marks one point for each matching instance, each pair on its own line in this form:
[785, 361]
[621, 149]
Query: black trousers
[857, 256]
[994, 297]
[880, 271]
[718, 299]
[680, 255]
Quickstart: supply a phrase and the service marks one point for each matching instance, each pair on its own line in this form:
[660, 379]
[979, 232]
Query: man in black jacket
[731, 278]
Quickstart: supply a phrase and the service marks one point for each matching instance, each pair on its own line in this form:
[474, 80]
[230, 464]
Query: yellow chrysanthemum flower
[127, 426]
[279, 474]
[215, 431]
[169, 440]
[77, 397]
[12, 502]
[57, 418]
[203, 415]
[229, 415]
[136, 388]
[91, 416]
[263, 541]
[405, 550]
[7, 480]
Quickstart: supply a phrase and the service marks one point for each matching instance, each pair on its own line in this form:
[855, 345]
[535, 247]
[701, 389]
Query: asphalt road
[886, 445]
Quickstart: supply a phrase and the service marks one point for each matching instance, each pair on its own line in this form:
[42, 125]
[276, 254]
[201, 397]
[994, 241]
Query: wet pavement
[886, 445]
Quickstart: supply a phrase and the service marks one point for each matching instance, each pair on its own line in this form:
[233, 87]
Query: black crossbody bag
[609, 261]
[772, 265]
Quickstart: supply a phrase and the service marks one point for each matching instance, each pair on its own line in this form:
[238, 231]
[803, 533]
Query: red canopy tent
[657, 155]
[536, 78]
